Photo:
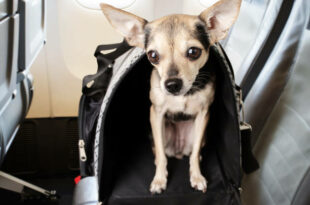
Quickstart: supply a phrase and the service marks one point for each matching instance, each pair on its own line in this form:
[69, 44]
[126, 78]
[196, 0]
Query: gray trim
[132, 57]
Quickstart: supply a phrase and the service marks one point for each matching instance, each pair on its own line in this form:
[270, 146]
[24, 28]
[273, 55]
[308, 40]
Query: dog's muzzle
[174, 85]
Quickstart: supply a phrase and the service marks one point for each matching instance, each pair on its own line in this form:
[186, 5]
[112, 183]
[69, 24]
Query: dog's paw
[198, 182]
[158, 185]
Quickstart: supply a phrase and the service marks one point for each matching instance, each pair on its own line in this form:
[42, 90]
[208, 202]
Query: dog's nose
[174, 85]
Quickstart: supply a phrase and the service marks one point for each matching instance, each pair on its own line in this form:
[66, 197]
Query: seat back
[9, 31]
[277, 107]
[19, 46]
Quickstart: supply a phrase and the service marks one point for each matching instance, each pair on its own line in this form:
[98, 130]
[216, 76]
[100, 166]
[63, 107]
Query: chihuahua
[182, 87]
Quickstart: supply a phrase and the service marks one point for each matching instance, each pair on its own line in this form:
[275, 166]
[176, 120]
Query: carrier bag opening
[126, 162]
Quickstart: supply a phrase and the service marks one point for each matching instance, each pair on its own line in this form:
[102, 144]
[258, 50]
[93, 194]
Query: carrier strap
[249, 162]
[105, 66]
[258, 65]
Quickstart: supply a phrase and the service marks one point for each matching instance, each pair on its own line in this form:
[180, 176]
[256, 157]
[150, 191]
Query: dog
[182, 88]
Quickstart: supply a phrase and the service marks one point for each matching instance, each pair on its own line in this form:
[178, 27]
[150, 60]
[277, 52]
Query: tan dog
[182, 88]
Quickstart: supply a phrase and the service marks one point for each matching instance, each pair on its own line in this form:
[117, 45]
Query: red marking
[77, 179]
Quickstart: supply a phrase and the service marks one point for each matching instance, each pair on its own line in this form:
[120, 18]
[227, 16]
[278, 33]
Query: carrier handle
[105, 66]
[248, 161]
[121, 48]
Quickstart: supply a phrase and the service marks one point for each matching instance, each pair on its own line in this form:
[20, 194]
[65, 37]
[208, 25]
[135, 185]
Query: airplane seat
[10, 95]
[22, 35]
[277, 108]
[276, 97]
[21, 42]
[282, 146]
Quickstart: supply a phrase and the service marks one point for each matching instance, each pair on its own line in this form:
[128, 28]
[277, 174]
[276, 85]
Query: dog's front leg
[159, 182]
[197, 180]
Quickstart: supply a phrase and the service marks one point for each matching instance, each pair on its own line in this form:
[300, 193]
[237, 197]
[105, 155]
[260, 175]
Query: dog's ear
[220, 17]
[129, 25]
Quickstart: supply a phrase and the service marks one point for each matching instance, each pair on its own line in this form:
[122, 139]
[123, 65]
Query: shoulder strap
[258, 65]
[105, 65]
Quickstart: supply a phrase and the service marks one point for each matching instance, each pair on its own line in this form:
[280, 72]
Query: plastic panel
[14, 113]
[7, 7]
[32, 35]
[4, 8]
[5, 71]
[14, 98]
[8, 67]
[8, 58]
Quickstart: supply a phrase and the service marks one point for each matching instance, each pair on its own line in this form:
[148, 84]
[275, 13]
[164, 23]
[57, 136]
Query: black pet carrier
[116, 159]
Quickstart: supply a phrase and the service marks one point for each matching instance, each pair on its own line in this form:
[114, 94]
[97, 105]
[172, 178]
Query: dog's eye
[193, 53]
[153, 56]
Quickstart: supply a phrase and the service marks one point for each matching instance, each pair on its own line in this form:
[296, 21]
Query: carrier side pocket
[94, 88]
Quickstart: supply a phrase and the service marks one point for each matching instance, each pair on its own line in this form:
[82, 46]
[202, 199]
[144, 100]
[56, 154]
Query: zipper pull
[82, 152]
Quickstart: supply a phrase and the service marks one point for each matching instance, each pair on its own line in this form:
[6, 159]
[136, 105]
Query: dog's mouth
[178, 117]
[182, 92]
[186, 88]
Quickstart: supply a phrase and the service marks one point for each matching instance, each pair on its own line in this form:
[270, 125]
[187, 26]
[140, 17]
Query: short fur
[178, 117]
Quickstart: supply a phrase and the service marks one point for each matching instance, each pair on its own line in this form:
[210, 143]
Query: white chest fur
[179, 137]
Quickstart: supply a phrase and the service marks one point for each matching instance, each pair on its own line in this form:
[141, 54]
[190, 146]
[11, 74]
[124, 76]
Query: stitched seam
[266, 189]
[277, 181]
[294, 141]
[297, 115]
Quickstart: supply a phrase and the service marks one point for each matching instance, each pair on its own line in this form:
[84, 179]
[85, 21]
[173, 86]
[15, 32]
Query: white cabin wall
[73, 32]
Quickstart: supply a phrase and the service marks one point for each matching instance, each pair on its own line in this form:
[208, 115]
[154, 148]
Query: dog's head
[177, 45]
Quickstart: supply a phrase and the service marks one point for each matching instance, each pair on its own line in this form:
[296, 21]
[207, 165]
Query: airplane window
[94, 4]
[207, 3]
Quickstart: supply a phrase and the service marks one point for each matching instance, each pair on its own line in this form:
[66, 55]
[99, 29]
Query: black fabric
[258, 65]
[249, 163]
[127, 161]
[226, 118]
[92, 97]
